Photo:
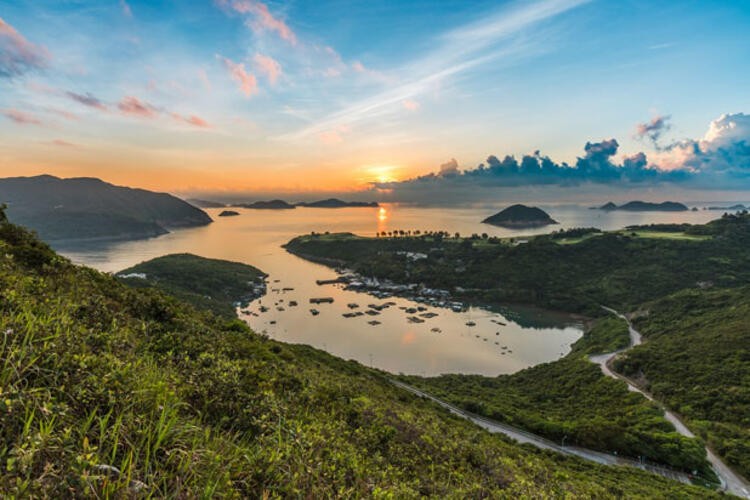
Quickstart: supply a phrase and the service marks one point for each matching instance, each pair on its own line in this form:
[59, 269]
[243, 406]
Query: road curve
[731, 482]
[523, 436]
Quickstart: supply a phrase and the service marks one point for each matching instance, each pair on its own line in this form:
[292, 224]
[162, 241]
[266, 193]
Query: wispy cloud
[87, 100]
[262, 19]
[458, 51]
[63, 144]
[21, 117]
[18, 55]
[247, 81]
[269, 67]
[132, 106]
[126, 10]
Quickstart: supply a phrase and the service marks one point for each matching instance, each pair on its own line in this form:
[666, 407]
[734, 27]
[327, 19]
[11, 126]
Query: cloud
[17, 55]
[268, 66]
[195, 121]
[87, 100]
[21, 117]
[132, 106]
[719, 160]
[449, 168]
[126, 10]
[653, 130]
[262, 19]
[247, 81]
[457, 51]
[410, 104]
[63, 144]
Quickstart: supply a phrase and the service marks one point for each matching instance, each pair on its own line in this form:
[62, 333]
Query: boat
[292, 303]
[470, 323]
[414, 319]
[280, 309]
[372, 312]
[373, 322]
[428, 315]
[314, 312]
[352, 305]
[263, 309]
[321, 300]
[349, 315]
[436, 330]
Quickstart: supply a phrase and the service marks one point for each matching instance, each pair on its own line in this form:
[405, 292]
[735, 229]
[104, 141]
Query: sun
[382, 174]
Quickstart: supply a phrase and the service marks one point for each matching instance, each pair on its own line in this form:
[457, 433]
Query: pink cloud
[269, 67]
[264, 20]
[410, 104]
[333, 136]
[21, 117]
[247, 81]
[63, 144]
[195, 121]
[87, 100]
[133, 106]
[18, 55]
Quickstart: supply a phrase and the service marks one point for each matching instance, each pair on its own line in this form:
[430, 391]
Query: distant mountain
[205, 203]
[645, 206]
[520, 217]
[733, 208]
[267, 205]
[87, 208]
[228, 213]
[336, 203]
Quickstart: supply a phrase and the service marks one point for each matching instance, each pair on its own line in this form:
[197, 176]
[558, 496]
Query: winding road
[731, 482]
[523, 436]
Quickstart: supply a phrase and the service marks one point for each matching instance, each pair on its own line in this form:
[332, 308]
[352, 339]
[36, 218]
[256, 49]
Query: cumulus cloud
[262, 18]
[87, 100]
[247, 81]
[268, 66]
[21, 117]
[720, 160]
[17, 55]
[653, 130]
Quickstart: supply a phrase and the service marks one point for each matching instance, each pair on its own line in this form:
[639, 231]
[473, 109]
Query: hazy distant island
[88, 208]
[645, 206]
[336, 203]
[213, 284]
[520, 217]
[267, 205]
[228, 213]
[733, 208]
[205, 203]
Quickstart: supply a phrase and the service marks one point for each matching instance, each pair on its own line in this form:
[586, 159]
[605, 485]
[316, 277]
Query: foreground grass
[107, 391]
[570, 399]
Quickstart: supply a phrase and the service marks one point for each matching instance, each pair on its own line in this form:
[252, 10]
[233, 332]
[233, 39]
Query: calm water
[255, 237]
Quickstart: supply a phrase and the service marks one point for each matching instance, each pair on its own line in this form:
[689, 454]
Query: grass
[680, 236]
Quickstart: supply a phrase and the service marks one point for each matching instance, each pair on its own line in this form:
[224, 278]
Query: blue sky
[244, 95]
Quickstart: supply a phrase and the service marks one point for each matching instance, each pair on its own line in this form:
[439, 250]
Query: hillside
[110, 391]
[213, 284]
[520, 217]
[85, 208]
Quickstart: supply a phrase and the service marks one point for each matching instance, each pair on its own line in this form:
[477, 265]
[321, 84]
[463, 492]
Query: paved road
[731, 482]
[526, 437]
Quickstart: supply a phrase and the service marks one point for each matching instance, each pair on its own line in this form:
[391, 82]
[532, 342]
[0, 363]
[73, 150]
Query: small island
[733, 208]
[228, 213]
[336, 203]
[645, 206]
[520, 217]
[268, 205]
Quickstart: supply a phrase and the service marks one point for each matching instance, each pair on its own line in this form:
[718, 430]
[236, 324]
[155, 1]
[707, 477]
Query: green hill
[109, 391]
[213, 284]
[85, 208]
[520, 217]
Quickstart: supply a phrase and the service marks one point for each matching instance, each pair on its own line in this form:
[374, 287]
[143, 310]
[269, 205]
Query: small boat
[428, 315]
[272, 322]
[372, 312]
[436, 330]
[314, 312]
[373, 322]
[263, 309]
[421, 308]
[321, 300]
[280, 309]
[349, 315]
[470, 323]
[411, 310]
[292, 303]
[414, 319]
[352, 305]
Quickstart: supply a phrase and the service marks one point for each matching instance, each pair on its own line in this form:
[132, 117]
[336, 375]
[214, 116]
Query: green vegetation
[85, 208]
[614, 269]
[570, 399]
[213, 284]
[520, 216]
[696, 359]
[110, 391]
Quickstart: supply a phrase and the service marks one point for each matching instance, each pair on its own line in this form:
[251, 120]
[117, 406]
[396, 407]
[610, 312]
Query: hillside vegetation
[571, 400]
[109, 391]
[213, 284]
[696, 359]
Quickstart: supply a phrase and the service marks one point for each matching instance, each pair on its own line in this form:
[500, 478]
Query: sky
[390, 99]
